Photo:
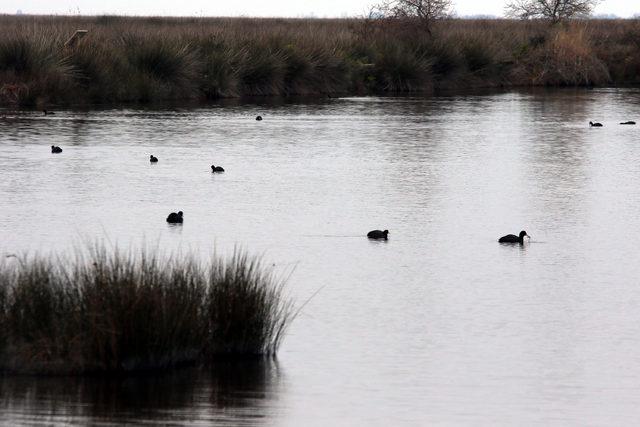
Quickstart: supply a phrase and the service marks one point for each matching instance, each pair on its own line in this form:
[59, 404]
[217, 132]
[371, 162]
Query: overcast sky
[288, 8]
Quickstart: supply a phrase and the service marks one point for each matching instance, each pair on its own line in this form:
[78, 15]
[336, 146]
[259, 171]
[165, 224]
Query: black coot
[153, 159]
[511, 238]
[56, 149]
[595, 125]
[175, 218]
[377, 234]
[217, 168]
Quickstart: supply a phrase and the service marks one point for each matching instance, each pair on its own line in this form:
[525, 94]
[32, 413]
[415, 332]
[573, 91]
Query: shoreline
[274, 100]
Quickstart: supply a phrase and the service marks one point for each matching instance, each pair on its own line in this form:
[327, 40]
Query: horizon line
[599, 16]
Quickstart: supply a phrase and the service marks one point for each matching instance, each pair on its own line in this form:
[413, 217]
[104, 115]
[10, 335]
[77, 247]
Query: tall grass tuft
[30, 54]
[244, 317]
[31, 64]
[100, 72]
[220, 69]
[314, 69]
[262, 69]
[119, 312]
[398, 69]
[162, 68]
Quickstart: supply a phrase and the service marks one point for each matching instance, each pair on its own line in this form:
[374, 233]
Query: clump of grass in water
[244, 316]
[121, 312]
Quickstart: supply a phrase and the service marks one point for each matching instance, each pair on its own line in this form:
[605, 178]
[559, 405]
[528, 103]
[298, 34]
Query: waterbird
[175, 218]
[258, 118]
[595, 125]
[56, 149]
[511, 238]
[47, 112]
[377, 234]
[217, 168]
[153, 159]
[630, 122]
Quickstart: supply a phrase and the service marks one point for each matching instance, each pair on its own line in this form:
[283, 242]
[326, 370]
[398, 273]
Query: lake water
[438, 325]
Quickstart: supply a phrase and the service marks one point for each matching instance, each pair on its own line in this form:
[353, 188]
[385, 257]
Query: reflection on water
[233, 393]
[438, 325]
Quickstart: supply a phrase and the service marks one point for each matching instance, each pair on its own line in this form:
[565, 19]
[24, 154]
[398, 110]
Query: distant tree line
[425, 12]
[553, 10]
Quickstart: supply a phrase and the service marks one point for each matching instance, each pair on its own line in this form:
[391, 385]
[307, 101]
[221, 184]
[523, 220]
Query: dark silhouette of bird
[258, 118]
[511, 238]
[153, 159]
[377, 234]
[175, 218]
[630, 122]
[48, 113]
[595, 125]
[217, 168]
[56, 149]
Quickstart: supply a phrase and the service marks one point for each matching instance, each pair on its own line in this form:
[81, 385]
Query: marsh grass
[152, 59]
[120, 312]
[33, 63]
[243, 316]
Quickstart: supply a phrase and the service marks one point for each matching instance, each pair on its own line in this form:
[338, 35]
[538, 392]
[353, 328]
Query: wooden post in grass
[73, 40]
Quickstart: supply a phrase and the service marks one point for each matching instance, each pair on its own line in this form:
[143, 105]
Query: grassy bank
[164, 59]
[117, 312]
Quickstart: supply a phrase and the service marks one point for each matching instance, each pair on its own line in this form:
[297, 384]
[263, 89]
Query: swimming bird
[630, 122]
[595, 125]
[175, 218]
[153, 159]
[47, 112]
[217, 168]
[258, 118]
[377, 234]
[55, 149]
[510, 238]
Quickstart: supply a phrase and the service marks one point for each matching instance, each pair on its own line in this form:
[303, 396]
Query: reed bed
[104, 311]
[126, 59]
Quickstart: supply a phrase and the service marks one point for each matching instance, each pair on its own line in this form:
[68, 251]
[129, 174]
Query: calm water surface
[439, 325]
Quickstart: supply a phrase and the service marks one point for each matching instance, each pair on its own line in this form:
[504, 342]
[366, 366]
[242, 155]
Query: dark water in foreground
[440, 324]
[243, 393]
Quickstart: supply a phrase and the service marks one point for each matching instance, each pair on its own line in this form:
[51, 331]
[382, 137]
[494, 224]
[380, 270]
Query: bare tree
[554, 10]
[423, 12]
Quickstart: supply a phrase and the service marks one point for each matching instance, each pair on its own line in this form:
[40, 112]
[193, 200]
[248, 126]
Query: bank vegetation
[125, 59]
